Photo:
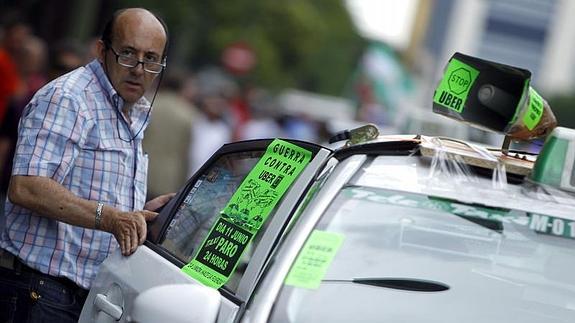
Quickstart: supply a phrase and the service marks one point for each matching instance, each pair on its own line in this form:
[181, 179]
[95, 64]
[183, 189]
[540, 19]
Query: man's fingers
[141, 237]
[126, 245]
[142, 230]
[166, 197]
[121, 244]
[130, 230]
[158, 202]
[134, 238]
[149, 215]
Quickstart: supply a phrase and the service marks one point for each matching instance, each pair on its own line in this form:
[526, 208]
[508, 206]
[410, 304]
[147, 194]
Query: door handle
[103, 304]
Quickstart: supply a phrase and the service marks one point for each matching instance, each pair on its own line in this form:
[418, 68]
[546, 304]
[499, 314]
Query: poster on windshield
[246, 212]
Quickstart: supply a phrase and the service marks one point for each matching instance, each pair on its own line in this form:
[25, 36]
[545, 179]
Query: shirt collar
[116, 100]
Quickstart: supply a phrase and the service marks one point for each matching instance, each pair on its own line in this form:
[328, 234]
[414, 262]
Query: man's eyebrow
[152, 53]
[131, 48]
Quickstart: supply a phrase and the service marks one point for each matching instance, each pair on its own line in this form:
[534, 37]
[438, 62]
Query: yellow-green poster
[246, 211]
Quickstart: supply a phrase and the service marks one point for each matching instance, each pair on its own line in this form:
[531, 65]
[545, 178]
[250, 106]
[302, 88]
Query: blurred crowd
[196, 110]
[194, 114]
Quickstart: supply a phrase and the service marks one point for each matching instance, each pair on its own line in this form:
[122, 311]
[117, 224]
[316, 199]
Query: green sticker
[433, 203]
[219, 254]
[264, 186]
[551, 225]
[454, 88]
[314, 259]
[246, 211]
[524, 96]
[534, 110]
[428, 203]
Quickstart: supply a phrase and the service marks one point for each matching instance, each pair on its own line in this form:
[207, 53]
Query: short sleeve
[50, 133]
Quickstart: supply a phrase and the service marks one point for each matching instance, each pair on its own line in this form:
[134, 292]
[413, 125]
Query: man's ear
[101, 51]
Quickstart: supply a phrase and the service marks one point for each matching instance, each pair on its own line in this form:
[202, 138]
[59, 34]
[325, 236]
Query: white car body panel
[122, 280]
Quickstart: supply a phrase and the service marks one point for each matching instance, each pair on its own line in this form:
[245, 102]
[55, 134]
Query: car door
[182, 226]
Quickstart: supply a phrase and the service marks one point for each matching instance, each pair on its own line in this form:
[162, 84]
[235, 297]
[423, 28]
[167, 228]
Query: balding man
[78, 183]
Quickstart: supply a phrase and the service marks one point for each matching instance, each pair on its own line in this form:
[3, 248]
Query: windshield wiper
[409, 284]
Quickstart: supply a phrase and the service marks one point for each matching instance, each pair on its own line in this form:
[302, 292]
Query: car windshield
[410, 257]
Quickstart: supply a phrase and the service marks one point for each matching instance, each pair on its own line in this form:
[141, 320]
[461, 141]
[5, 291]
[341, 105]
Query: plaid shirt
[73, 132]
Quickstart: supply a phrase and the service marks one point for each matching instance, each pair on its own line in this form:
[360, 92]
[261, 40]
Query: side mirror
[177, 303]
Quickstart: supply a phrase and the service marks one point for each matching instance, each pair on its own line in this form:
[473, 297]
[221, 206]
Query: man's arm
[48, 198]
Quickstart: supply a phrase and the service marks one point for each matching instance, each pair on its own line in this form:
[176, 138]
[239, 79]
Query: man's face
[139, 35]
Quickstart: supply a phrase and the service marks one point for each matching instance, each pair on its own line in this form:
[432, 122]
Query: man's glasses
[130, 61]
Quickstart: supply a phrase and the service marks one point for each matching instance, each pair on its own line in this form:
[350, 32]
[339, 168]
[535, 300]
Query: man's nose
[138, 69]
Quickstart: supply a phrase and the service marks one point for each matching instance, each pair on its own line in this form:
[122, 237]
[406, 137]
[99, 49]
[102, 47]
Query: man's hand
[158, 202]
[129, 228]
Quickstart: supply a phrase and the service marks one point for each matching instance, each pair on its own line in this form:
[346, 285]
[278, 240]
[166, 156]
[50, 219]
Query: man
[78, 182]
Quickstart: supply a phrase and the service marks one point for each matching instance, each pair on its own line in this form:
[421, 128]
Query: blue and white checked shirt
[73, 132]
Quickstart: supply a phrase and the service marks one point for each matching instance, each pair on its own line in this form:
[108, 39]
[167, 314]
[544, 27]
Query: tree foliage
[562, 107]
[308, 44]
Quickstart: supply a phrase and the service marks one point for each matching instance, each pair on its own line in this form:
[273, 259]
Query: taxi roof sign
[555, 165]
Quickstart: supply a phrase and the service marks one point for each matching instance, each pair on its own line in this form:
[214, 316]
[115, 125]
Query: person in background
[264, 112]
[78, 184]
[168, 139]
[65, 56]
[32, 67]
[209, 129]
[32, 63]
[14, 35]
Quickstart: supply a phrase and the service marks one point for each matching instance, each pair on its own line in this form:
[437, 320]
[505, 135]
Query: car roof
[459, 170]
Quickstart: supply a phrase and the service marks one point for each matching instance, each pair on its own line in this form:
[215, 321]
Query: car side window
[202, 205]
